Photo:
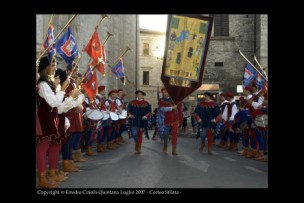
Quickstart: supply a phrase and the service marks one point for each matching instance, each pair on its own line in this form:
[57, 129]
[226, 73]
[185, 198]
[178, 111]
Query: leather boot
[260, 156]
[81, 158]
[55, 176]
[250, 153]
[89, 151]
[202, 147]
[174, 150]
[136, 147]
[209, 149]
[75, 156]
[65, 174]
[165, 148]
[234, 147]
[121, 139]
[43, 182]
[139, 148]
[69, 167]
[101, 148]
[244, 151]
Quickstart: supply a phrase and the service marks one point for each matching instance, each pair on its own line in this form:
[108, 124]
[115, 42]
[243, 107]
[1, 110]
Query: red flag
[91, 86]
[102, 61]
[93, 48]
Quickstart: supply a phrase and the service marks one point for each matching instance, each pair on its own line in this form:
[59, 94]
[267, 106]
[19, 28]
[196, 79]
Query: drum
[114, 116]
[243, 119]
[123, 114]
[260, 118]
[106, 115]
[94, 114]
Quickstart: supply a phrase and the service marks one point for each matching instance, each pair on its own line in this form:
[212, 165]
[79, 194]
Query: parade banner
[187, 41]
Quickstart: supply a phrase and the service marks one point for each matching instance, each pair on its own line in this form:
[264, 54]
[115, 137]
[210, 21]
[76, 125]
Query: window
[146, 48]
[146, 77]
[221, 25]
[219, 64]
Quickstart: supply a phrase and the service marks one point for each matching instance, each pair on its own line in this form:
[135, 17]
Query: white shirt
[45, 91]
[233, 111]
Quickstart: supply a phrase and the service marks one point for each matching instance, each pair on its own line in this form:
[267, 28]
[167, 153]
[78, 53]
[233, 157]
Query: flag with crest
[66, 47]
[249, 74]
[90, 84]
[118, 69]
[50, 41]
[260, 81]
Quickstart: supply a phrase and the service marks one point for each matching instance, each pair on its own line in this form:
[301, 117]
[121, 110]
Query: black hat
[62, 75]
[43, 63]
[209, 94]
[139, 91]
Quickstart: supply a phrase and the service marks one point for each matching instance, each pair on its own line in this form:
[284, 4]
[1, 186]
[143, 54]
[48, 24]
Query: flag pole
[120, 57]
[256, 60]
[67, 24]
[101, 19]
[252, 65]
[108, 36]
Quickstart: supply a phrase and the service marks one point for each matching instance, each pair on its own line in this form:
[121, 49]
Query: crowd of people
[67, 117]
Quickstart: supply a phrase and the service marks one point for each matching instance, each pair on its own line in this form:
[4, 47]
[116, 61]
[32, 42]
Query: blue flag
[49, 40]
[66, 47]
[88, 74]
[118, 69]
[249, 74]
[260, 81]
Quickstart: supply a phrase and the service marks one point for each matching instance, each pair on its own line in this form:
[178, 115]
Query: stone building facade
[151, 51]
[126, 33]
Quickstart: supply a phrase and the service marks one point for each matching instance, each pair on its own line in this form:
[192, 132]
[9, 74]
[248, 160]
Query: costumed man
[207, 114]
[113, 109]
[121, 125]
[48, 100]
[228, 115]
[244, 116]
[260, 128]
[168, 120]
[90, 126]
[76, 123]
[221, 127]
[102, 134]
[139, 110]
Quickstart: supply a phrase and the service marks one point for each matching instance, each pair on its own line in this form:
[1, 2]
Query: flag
[88, 74]
[66, 47]
[93, 48]
[91, 85]
[118, 69]
[96, 52]
[50, 40]
[187, 42]
[260, 81]
[101, 61]
[249, 74]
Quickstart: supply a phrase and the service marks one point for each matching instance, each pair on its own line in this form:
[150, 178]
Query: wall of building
[152, 63]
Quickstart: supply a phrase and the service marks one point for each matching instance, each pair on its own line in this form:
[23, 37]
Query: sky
[153, 22]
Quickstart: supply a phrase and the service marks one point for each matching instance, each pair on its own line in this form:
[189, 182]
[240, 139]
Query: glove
[144, 118]
[213, 121]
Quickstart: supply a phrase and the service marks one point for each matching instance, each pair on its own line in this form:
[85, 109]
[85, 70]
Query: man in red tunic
[139, 110]
[170, 112]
